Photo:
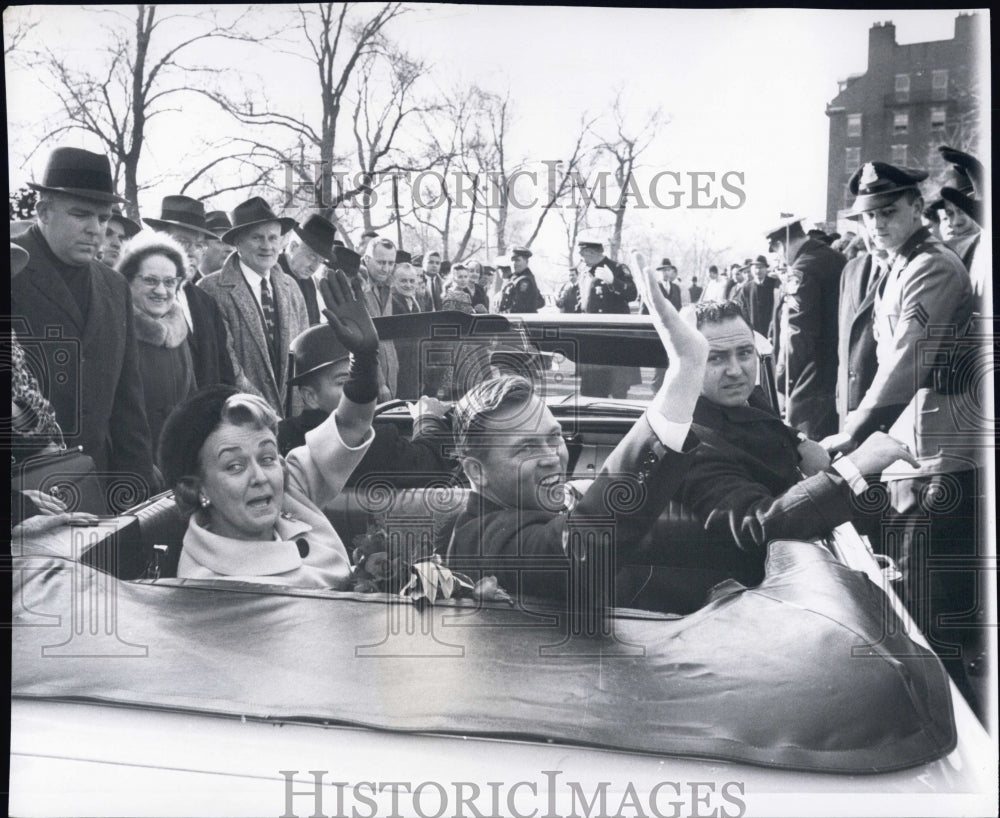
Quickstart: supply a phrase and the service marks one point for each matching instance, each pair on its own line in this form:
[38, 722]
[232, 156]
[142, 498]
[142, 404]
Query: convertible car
[805, 690]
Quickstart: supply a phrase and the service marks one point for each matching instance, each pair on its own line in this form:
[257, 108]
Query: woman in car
[154, 265]
[255, 516]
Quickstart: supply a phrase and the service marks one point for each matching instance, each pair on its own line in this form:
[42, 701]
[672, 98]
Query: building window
[898, 155]
[853, 159]
[902, 87]
[938, 117]
[854, 125]
[939, 84]
[901, 123]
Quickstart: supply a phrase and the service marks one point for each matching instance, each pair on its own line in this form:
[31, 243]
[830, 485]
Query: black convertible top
[808, 671]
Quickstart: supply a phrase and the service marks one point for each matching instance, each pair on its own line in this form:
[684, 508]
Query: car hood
[802, 672]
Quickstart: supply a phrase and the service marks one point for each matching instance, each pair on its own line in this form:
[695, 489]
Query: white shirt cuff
[670, 433]
[846, 469]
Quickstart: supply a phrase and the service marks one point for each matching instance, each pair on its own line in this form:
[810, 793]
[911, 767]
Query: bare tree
[329, 38]
[447, 201]
[622, 148]
[145, 72]
[17, 26]
[560, 174]
[382, 108]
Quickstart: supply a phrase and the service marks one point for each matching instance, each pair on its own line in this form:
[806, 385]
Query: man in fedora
[757, 296]
[65, 296]
[304, 256]
[119, 230]
[922, 295]
[263, 308]
[805, 327]
[183, 219]
[216, 250]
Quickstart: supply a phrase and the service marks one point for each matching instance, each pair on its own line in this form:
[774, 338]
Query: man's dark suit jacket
[92, 369]
[408, 353]
[809, 364]
[745, 484]
[209, 339]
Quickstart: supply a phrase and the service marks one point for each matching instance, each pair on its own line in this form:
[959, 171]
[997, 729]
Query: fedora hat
[402, 257]
[218, 222]
[253, 212]
[81, 173]
[666, 265]
[181, 211]
[131, 228]
[878, 184]
[313, 350]
[318, 234]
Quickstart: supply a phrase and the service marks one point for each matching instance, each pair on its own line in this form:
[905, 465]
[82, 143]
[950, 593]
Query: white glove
[604, 274]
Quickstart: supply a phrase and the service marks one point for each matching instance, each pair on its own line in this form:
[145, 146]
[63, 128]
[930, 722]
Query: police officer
[605, 286]
[520, 293]
[923, 301]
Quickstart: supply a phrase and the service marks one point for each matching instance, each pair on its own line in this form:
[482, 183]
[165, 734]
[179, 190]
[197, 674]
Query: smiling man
[522, 522]
[70, 301]
[263, 308]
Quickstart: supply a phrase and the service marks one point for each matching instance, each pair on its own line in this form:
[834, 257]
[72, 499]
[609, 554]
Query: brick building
[911, 99]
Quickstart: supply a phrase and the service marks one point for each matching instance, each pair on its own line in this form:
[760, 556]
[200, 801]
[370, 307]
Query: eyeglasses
[189, 244]
[153, 282]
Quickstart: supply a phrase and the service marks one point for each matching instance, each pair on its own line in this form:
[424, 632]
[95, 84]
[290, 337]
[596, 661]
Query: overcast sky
[744, 90]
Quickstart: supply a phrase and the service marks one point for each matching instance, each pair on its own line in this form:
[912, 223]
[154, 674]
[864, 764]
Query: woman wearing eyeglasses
[154, 265]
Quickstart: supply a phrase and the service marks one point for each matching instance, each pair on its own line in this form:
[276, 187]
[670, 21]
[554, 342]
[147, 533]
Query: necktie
[270, 319]
[877, 274]
[412, 305]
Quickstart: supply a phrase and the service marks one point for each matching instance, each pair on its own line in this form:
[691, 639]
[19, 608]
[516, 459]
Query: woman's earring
[205, 502]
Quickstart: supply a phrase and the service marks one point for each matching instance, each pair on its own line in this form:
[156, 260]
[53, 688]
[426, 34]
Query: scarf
[169, 331]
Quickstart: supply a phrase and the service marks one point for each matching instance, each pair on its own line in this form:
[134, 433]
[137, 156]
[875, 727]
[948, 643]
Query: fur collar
[169, 331]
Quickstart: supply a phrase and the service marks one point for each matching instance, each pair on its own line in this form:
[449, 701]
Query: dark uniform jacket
[520, 294]
[805, 336]
[208, 339]
[745, 484]
[497, 540]
[391, 454]
[856, 358]
[612, 297]
[91, 362]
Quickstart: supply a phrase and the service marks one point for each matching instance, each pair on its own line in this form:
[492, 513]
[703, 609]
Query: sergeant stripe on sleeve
[917, 313]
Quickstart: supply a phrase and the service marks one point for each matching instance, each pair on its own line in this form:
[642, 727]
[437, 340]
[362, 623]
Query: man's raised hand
[687, 348]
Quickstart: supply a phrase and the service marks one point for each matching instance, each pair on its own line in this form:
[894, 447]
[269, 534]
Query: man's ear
[474, 470]
[309, 397]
